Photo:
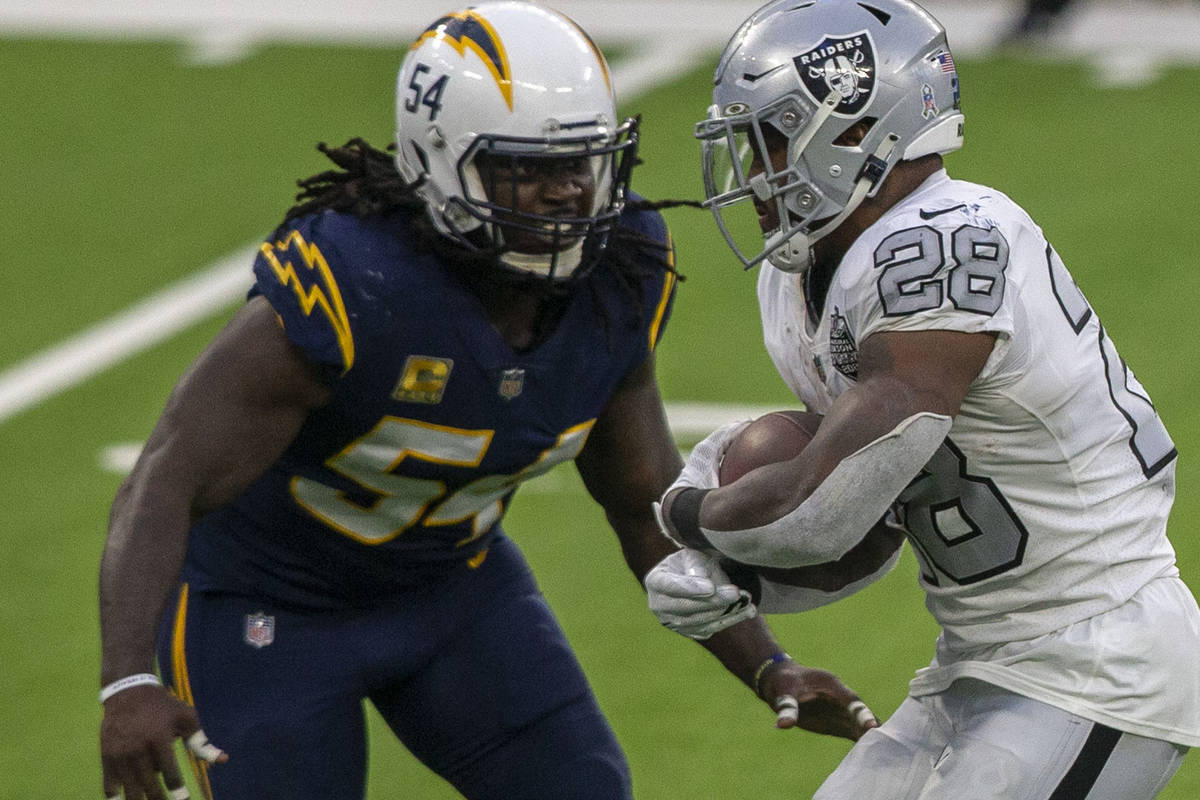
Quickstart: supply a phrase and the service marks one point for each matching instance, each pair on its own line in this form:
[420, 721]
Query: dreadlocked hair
[367, 183]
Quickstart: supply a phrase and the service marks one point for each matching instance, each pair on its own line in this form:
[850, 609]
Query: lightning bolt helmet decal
[467, 29]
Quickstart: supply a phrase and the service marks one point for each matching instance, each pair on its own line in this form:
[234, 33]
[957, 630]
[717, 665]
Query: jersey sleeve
[297, 271]
[657, 265]
[663, 291]
[943, 275]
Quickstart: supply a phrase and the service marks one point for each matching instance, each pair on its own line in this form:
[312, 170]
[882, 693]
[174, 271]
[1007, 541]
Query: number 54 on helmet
[522, 88]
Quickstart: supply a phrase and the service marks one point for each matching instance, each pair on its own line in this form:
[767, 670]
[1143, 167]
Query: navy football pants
[473, 675]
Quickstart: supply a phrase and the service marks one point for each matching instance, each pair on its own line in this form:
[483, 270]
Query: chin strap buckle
[876, 165]
[873, 170]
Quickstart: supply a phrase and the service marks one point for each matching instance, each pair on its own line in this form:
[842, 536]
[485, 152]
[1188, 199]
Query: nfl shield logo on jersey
[512, 381]
[260, 629]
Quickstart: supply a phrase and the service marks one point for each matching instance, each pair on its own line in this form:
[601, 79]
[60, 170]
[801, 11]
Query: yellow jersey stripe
[183, 686]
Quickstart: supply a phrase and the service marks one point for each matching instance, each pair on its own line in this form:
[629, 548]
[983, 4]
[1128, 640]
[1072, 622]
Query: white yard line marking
[688, 421]
[139, 327]
[691, 420]
[214, 288]
[228, 29]
[1103, 32]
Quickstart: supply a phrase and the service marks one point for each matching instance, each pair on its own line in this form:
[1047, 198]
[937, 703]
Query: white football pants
[976, 741]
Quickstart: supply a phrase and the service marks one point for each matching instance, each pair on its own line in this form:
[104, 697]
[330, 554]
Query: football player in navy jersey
[315, 519]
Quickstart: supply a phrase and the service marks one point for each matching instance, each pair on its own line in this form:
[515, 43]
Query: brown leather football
[775, 436]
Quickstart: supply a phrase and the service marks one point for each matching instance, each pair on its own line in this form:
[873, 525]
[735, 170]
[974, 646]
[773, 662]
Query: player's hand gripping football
[701, 470]
[814, 700]
[137, 744]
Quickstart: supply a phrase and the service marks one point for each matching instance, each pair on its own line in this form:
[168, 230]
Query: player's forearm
[142, 557]
[642, 544]
[743, 648]
[860, 416]
[826, 524]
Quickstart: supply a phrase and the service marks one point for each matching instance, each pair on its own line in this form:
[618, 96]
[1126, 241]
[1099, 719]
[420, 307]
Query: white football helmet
[810, 71]
[524, 87]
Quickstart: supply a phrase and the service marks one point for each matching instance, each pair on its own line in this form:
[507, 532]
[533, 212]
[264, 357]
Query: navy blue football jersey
[433, 421]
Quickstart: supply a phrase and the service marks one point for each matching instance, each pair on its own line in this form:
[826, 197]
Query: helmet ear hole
[854, 135]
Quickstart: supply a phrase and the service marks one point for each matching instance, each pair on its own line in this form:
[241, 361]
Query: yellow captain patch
[466, 29]
[423, 379]
[313, 284]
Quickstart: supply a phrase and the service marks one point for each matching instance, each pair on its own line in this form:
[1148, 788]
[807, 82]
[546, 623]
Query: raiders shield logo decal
[842, 64]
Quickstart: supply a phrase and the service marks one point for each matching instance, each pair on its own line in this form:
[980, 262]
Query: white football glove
[700, 471]
[690, 594]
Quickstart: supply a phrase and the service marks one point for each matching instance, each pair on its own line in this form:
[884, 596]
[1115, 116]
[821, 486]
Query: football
[776, 436]
[780, 436]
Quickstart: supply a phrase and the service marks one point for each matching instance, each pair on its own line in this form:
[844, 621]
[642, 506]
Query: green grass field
[125, 169]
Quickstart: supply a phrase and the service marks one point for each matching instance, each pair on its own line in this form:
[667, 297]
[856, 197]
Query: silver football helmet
[806, 72]
[493, 95]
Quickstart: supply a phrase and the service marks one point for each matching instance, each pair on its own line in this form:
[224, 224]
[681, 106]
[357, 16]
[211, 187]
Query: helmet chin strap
[564, 262]
[793, 251]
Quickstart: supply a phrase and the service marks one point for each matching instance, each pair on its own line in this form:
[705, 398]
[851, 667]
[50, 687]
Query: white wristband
[141, 679]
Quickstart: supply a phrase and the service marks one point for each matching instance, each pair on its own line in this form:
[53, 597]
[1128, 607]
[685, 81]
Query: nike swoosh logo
[931, 214]
[752, 78]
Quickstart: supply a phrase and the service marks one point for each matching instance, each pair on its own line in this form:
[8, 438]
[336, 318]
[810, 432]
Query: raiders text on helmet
[811, 71]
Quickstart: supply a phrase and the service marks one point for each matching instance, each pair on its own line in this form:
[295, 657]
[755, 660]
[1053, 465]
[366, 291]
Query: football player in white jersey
[965, 382]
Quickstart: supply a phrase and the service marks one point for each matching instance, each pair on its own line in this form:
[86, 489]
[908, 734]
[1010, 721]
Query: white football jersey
[1047, 505]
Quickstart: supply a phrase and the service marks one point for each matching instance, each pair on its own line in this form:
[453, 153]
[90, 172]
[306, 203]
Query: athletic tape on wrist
[685, 518]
